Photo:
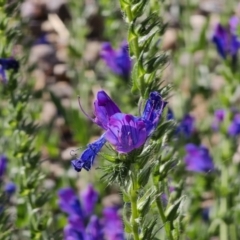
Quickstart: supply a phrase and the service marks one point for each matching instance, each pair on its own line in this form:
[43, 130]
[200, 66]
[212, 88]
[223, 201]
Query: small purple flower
[69, 203]
[3, 165]
[124, 131]
[234, 128]
[94, 229]
[118, 61]
[89, 198]
[113, 226]
[87, 157]
[226, 40]
[218, 118]
[6, 64]
[187, 126]
[10, 188]
[198, 159]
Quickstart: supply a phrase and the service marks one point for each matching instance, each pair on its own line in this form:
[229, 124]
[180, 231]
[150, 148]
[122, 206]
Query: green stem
[162, 214]
[135, 215]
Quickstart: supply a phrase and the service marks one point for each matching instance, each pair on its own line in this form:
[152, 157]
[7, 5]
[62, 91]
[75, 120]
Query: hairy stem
[135, 215]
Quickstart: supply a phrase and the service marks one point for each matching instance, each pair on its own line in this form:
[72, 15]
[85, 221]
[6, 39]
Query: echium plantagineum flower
[226, 39]
[187, 126]
[218, 118]
[6, 64]
[124, 132]
[82, 223]
[198, 159]
[119, 60]
[234, 128]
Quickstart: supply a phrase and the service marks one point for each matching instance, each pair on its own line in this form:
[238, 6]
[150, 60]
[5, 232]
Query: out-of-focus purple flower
[69, 203]
[205, 214]
[234, 128]
[198, 159]
[113, 226]
[187, 126]
[89, 198]
[118, 61]
[10, 188]
[226, 39]
[124, 131]
[94, 229]
[3, 165]
[218, 118]
[6, 64]
[170, 114]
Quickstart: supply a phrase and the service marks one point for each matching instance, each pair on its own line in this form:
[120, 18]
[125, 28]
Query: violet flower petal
[87, 157]
[89, 198]
[69, 203]
[126, 132]
[104, 108]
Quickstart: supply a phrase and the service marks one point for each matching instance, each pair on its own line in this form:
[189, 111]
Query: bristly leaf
[117, 173]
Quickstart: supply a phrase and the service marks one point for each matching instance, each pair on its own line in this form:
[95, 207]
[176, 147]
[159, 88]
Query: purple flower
[6, 64]
[124, 131]
[87, 157]
[10, 188]
[113, 226]
[118, 61]
[218, 118]
[94, 229]
[89, 199]
[3, 165]
[187, 126]
[69, 203]
[234, 128]
[225, 39]
[198, 159]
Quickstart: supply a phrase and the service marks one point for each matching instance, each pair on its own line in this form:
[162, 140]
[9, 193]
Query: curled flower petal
[87, 157]
[126, 132]
[104, 108]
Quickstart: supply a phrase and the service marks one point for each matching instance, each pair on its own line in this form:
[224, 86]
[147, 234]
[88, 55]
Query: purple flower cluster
[198, 159]
[124, 131]
[6, 64]
[82, 224]
[226, 39]
[118, 61]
